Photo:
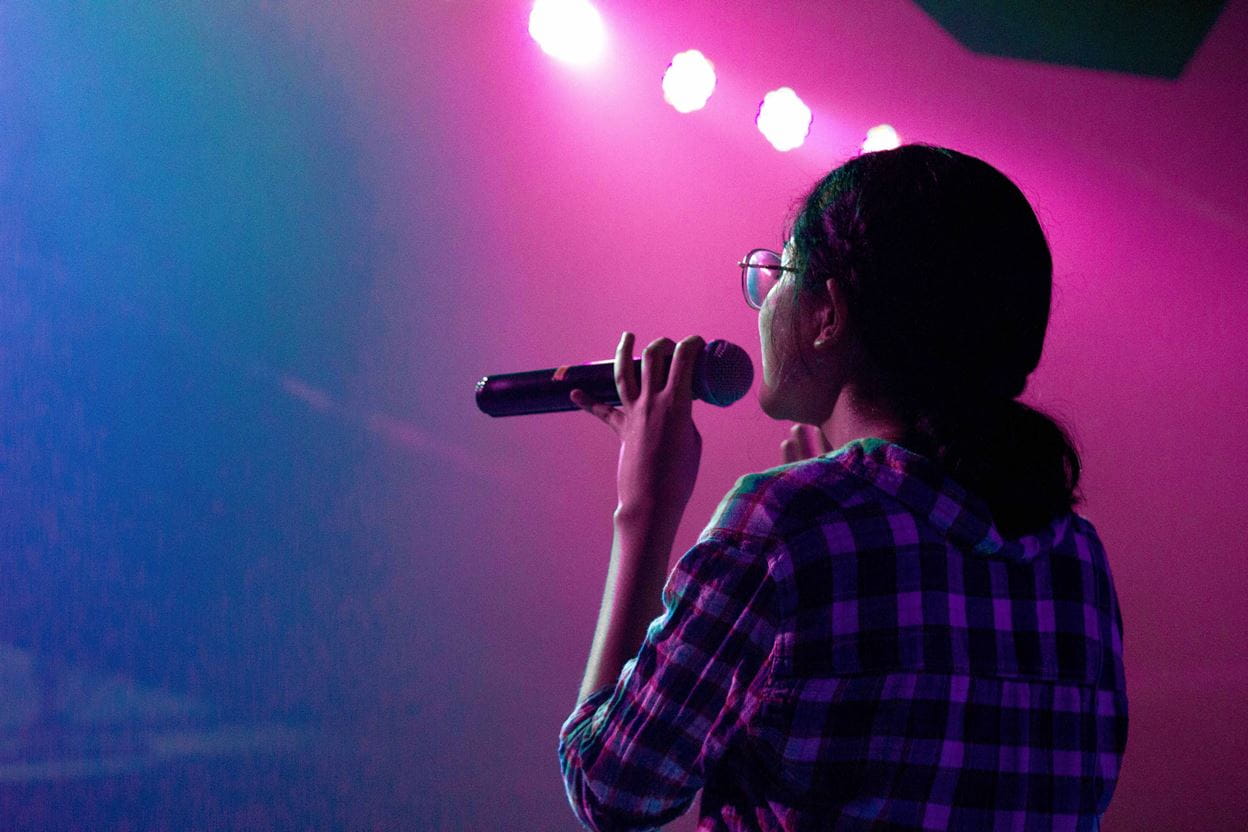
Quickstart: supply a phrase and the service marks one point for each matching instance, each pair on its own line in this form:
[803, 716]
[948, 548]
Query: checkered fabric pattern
[852, 645]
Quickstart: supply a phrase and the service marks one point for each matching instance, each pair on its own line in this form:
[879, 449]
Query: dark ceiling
[1156, 37]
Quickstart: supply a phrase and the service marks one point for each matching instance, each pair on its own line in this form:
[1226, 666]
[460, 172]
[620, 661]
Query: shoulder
[1088, 544]
[781, 501]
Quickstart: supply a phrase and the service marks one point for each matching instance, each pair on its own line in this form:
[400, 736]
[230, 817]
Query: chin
[785, 410]
[771, 405]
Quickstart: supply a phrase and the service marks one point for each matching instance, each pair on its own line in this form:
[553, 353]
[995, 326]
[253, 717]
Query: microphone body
[722, 374]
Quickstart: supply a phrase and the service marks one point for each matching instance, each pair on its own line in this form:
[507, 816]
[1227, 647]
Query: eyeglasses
[760, 271]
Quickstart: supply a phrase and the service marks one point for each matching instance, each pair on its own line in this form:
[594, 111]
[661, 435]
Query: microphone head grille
[723, 374]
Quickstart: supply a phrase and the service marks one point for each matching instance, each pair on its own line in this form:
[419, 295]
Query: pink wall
[573, 204]
[253, 257]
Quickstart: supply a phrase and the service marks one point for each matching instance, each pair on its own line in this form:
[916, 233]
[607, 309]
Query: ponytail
[1021, 461]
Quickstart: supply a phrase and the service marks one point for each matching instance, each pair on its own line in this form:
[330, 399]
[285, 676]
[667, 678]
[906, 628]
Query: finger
[824, 443]
[652, 364]
[680, 377]
[788, 449]
[802, 436]
[593, 406]
[625, 372]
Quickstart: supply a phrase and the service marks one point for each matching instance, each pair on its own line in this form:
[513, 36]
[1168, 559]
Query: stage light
[783, 119]
[570, 30]
[881, 137]
[689, 81]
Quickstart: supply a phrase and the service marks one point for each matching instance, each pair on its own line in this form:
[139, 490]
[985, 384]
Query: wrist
[630, 514]
[638, 516]
[640, 530]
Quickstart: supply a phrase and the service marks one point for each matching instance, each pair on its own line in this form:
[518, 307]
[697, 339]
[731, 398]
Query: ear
[832, 317]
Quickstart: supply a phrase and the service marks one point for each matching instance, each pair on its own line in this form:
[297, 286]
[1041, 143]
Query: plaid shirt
[852, 645]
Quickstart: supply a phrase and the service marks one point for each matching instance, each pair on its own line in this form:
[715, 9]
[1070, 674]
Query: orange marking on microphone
[561, 372]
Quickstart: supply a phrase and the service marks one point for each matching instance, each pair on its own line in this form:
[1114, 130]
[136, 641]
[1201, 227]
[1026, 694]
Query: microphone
[722, 373]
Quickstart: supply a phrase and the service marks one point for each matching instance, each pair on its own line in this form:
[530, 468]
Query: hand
[801, 445]
[660, 446]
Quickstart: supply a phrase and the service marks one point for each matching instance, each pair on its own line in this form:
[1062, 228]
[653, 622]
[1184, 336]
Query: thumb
[602, 410]
[584, 401]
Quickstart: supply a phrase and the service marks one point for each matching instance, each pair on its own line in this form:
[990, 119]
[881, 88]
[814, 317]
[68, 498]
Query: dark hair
[948, 280]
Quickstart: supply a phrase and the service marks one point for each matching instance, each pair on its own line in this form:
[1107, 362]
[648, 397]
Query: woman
[914, 631]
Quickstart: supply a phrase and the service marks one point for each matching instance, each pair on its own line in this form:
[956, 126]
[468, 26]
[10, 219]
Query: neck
[855, 418]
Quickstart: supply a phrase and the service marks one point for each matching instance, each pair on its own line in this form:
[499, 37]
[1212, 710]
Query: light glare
[784, 119]
[689, 81]
[569, 30]
[881, 137]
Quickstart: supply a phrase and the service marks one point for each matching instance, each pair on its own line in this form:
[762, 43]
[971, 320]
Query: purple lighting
[689, 81]
[568, 30]
[784, 119]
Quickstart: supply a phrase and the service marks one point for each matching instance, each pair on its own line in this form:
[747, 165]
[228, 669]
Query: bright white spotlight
[689, 81]
[570, 30]
[881, 137]
[784, 119]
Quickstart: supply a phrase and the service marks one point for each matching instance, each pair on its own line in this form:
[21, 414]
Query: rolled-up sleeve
[634, 755]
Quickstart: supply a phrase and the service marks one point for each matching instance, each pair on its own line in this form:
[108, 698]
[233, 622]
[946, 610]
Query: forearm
[632, 597]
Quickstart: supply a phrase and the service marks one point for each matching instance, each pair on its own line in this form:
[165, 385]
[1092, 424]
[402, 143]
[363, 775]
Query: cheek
[768, 323]
[765, 321]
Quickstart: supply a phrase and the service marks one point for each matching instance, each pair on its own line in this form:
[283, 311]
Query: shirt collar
[920, 485]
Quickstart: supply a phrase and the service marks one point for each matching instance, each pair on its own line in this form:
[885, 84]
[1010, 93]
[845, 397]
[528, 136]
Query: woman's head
[924, 281]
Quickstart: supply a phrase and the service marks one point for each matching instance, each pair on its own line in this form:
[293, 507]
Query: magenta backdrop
[576, 204]
[524, 213]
